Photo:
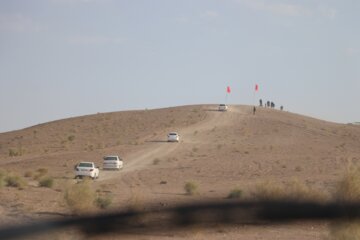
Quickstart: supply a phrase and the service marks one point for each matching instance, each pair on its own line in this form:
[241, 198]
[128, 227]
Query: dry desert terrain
[218, 151]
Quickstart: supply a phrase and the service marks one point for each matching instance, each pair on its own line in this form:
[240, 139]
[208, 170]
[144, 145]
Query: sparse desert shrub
[80, 197]
[345, 230]
[103, 202]
[14, 181]
[235, 193]
[267, 191]
[71, 138]
[347, 191]
[294, 191]
[298, 169]
[28, 174]
[15, 152]
[46, 182]
[2, 173]
[190, 188]
[2, 176]
[299, 191]
[156, 161]
[12, 152]
[40, 173]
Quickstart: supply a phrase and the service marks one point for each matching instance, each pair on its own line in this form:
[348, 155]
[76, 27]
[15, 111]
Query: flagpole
[254, 94]
[228, 90]
[255, 90]
[254, 98]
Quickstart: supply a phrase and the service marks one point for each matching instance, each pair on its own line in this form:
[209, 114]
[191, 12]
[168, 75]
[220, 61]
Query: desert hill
[219, 151]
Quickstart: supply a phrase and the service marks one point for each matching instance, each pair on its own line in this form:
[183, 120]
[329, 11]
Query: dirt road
[160, 148]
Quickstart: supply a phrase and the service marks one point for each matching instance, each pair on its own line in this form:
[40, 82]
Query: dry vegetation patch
[41, 172]
[46, 182]
[348, 191]
[2, 178]
[293, 191]
[191, 188]
[103, 202]
[13, 180]
[80, 197]
[235, 193]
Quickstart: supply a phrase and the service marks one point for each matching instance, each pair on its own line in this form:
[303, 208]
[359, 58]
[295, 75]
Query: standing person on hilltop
[254, 110]
[260, 102]
[281, 108]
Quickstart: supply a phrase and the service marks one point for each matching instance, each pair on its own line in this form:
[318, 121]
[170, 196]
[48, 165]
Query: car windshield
[85, 165]
[108, 82]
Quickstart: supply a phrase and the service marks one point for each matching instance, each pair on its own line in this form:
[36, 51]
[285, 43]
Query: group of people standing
[266, 104]
[269, 104]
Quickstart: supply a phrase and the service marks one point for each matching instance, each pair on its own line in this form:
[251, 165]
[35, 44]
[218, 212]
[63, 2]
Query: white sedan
[173, 137]
[113, 162]
[223, 107]
[86, 169]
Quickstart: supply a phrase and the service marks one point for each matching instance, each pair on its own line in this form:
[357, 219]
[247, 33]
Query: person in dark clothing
[281, 108]
[254, 110]
[260, 102]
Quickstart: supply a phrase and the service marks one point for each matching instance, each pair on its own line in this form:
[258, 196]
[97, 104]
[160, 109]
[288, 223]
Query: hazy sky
[64, 58]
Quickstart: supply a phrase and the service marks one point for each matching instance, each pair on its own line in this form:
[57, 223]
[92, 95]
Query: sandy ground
[219, 151]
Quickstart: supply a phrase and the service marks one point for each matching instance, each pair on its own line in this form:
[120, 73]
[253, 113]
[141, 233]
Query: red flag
[228, 90]
[256, 87]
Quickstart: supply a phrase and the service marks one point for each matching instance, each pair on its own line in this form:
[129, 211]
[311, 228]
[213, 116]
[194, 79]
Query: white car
[223, 107]
[86, 169]
[173, 137]
[113, 162]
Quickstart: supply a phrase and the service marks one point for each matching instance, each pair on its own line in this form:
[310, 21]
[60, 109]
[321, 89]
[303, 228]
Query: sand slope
[218, 151]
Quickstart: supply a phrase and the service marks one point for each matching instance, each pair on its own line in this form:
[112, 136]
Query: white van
[113, 162]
